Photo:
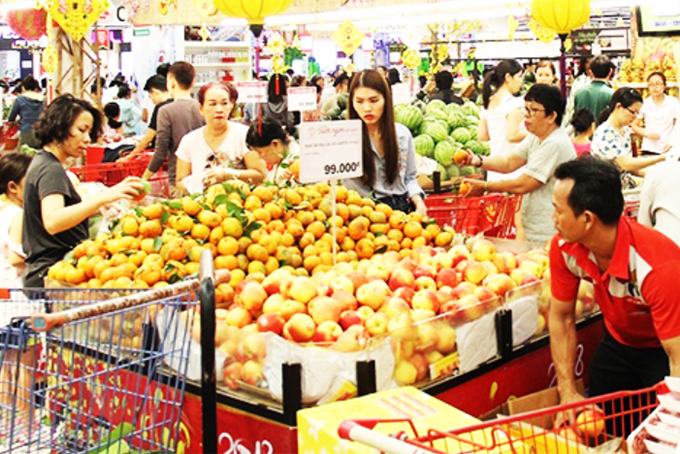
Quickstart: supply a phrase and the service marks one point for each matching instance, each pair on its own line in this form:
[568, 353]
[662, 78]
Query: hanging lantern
[253, 10]
[544, 35]
[563, 16]
[50, 59]
[75, 17]
[30, 24]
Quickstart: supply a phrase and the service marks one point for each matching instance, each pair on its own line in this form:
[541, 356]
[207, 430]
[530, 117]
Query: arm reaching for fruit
[562, 328]
[672, 347]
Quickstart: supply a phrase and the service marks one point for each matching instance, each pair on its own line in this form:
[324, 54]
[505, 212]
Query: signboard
[401, 94]
[301, 98]
[330, 150]
[252, 92]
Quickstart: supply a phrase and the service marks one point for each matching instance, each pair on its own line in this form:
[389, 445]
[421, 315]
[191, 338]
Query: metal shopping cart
[104, 372]
[535, 432]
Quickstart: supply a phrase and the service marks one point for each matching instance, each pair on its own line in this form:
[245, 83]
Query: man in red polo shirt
[635, 271]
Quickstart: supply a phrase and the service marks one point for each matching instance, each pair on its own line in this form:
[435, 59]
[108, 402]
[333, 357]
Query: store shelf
[214, 44]
[221, 65]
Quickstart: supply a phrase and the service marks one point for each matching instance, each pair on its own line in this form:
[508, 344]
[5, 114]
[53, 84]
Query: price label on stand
[330, 150]
[301, 98]
[401, 94]
[252, 92]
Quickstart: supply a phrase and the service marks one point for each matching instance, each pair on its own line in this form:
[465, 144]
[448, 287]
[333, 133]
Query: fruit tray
[491, 214]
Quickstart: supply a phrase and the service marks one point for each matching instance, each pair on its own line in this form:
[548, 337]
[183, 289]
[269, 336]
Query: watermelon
[424, 145]
[487, 148]
[435, 130]
[437, 115]
[341, 100]
[475, 147]
[472, 120]
[435, 105]
[468, 170]
[399, 109]
[334, 113]
[443, 175]
[470, 109]
[443, 153]
[453, 171]
[473, 131]
[456, 120]
[461, 135]
[451, 108]
[409, 116]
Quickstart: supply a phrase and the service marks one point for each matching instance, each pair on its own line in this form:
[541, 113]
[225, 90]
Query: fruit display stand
[458, 317]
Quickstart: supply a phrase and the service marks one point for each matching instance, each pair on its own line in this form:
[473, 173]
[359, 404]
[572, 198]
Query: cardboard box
[318, 426]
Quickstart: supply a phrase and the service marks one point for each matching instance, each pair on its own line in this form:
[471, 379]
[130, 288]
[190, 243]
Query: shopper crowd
[571, 179]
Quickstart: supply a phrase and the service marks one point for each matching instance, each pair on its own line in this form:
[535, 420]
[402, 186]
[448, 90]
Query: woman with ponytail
[501, 119]
[612, 141]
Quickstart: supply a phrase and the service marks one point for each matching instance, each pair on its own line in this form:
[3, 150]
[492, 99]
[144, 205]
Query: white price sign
[401, 94]
[330, 150]
[252, 92]
[301, 98]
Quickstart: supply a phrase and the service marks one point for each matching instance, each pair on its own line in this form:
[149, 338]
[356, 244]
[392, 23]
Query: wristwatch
[481, 160]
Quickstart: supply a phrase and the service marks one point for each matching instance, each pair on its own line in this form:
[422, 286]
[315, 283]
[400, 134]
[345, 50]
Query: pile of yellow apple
[417, 298]
[252, 231]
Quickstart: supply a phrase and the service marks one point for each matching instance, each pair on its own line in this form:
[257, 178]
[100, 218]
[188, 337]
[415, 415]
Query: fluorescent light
[17, 5]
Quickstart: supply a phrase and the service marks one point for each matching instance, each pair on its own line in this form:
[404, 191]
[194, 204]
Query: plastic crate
[160, 184]
[111, 173]
[492, 214]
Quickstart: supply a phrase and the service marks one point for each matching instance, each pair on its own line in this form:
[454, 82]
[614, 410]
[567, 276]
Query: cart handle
[47, 322]
[356, 431]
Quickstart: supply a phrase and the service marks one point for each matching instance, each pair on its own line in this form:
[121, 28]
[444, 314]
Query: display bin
[598, 423]
[492, 214]
[111, 173]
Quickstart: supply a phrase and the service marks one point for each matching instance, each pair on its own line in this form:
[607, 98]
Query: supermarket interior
[339, 226]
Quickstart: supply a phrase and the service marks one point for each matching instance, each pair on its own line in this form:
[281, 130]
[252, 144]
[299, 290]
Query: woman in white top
[13, 167]
[217, 151]
[501, 118]
[659, 112]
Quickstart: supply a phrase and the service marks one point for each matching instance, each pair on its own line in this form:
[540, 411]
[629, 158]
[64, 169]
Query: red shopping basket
[160, 184]
[111, 173]
[631, 209]
[491, 214]
[533, 432]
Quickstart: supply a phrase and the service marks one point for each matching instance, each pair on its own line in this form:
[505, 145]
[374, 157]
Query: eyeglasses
[530, 111]
[634, 112]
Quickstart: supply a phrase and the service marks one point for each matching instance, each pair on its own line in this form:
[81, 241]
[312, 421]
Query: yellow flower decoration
[278, 65]
[442, 52]
[348, 37]
[75, 17]
[411, 58]
[512, 26]
[49, 59]
[276, 44]
[543, 34]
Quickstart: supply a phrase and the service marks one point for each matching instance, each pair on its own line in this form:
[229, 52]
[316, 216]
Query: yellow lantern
[253, 10]
[563, 16]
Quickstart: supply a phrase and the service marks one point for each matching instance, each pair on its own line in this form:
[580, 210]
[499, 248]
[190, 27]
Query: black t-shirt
[153, 122]
[46, 176]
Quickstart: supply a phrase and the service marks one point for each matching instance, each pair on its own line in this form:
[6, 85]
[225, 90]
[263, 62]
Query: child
[13, 167]
[584, 125]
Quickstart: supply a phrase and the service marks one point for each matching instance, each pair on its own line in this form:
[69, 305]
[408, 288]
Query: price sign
[401, 94]
[252, 92]
[330, 150]
[301, 98]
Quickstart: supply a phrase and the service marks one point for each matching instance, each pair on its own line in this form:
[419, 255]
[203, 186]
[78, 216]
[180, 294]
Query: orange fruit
[100, 267]
[200, 231]
[75, 276]
[464, 188]
[228, 246]
[317, 229]
[413, 229]
[460, 156]
[294, 169]
[257, 252]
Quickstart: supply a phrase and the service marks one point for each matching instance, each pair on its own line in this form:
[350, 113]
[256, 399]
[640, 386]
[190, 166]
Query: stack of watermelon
[439, 130]
[339, 112]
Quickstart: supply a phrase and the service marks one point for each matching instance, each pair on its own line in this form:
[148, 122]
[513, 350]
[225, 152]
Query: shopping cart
[528, 433]
[491, 214]
[104, 371]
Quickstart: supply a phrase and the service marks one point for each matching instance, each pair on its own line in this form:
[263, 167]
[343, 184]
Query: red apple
[252, 347]
[462, 289]
[232, 374]
[401, 278]
[474, 272]
[252, 296]
[303, 289]
[500, 284]
[273, 304]
[238, 317]
[421, 364]
[376, 324]
[342, 283]
[347, 300]
[425, 282]
[292, 307]
[358, 279]
[407, 264]
[300, 328]
[251, 373]
[425, 299]
[373, 294]
[447, 277]
[425, 270]
[272, 283]
[324, 308]
[327, 331]
[352, 340]
[349, 318]
[427, 337]
[404, 293]
[483, 249]
[271, 322]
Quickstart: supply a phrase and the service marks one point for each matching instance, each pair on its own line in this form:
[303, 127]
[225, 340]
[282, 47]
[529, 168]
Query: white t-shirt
[194, 149]
[659, 119]
[659, 203]
[9, 276]
[497, 121]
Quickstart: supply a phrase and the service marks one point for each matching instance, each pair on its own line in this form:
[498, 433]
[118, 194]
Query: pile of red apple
[343, 308]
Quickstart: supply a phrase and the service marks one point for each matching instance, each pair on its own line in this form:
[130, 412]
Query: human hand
[421, 208]
[129, 188]
[653, 136]
[568, 417]
[667, 147]
[471, 187]
[465, 157]
[218, 175]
